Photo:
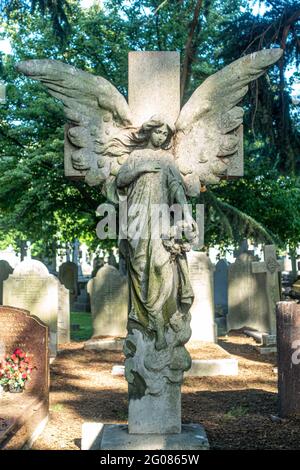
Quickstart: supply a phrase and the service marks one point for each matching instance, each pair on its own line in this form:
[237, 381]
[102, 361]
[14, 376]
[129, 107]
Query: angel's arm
[133, 168]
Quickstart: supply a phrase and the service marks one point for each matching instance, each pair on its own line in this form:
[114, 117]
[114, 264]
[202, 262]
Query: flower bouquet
[15, 371]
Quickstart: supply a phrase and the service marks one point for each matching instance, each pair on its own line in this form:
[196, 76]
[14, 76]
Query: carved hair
[133, 139]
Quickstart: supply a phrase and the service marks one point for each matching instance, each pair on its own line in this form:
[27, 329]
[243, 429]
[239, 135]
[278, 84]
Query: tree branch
[189, 50]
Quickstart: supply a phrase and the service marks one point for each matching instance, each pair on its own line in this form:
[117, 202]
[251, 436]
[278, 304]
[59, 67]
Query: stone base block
[213, 367]
[266, 349]
[22, 419]
[98, 436]
[209, 360]
[153, 414]
[113, 344]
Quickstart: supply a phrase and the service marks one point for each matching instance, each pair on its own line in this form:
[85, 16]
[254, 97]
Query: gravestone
[109, 302]
[32, 288]
[24, 415]
[68, 276]
[221, 287]
[201, 276]
[247, 297]
[63, 316]
[288, 357]
[5, 271]
[270, 268]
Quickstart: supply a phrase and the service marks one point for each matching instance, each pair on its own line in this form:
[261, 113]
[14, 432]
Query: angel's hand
[149, 166]
[80, 161]
[191, 228]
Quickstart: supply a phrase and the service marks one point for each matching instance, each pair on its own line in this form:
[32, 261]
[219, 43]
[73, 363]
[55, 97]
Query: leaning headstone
[288, 357]
[109, 302]
[5, 271]
[247, 297]
[32, 288]
[24, 415]
[68, 276]
[221, 287]
[201, 276]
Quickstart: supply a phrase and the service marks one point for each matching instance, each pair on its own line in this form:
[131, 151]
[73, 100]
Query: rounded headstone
[31, 267]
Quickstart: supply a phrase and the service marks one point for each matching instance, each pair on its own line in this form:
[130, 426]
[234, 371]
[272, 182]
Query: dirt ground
[237, 412]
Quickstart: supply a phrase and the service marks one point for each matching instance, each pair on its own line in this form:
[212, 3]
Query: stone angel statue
[157, 163]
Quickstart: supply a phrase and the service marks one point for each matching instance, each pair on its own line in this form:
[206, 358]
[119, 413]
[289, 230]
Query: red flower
[24, 375]
[18, 351]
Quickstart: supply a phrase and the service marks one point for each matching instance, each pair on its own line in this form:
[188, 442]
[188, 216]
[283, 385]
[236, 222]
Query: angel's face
[159, 135]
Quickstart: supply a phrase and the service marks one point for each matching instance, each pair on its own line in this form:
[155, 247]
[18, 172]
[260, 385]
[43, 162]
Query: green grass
[236, 412]
[57, 408]
[83, 319]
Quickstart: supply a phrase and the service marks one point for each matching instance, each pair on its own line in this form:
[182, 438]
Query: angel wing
[95, 110]
[208, 127]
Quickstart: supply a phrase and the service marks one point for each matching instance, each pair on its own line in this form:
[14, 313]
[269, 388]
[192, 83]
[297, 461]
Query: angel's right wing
[95, 110]
[208, 127]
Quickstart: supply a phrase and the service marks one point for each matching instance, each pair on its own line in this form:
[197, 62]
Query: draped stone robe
[158, 282]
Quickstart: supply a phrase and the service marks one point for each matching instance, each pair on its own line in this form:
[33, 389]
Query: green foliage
[57, 10]
[38, 203]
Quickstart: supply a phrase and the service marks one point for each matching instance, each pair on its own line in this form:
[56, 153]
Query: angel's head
[156, 133]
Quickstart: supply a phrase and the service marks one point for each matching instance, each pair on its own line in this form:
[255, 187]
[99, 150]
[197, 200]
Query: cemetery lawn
[238, 412]
[84, 320]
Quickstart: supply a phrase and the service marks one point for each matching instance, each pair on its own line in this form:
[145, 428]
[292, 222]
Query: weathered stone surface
[99, 344]
[147, 415]
[63, 314]
[155, 74]
[68, 276]
[221, 287]
[201, 272]
[24, 415]
[213, 367]
[31, 287]
[271, 267]
[109, 302]
[209, 360]
[247, 297]
[116, 437]
[5, 271]
[209, 123]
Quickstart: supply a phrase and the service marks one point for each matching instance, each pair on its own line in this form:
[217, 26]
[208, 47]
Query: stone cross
[157, 74]
[271, 266]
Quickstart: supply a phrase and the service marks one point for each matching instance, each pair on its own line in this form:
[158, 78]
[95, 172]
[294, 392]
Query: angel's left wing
[209, 125]
[95, 110]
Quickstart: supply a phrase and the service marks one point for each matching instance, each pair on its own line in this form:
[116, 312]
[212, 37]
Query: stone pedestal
[98, 436]
[152, 415]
